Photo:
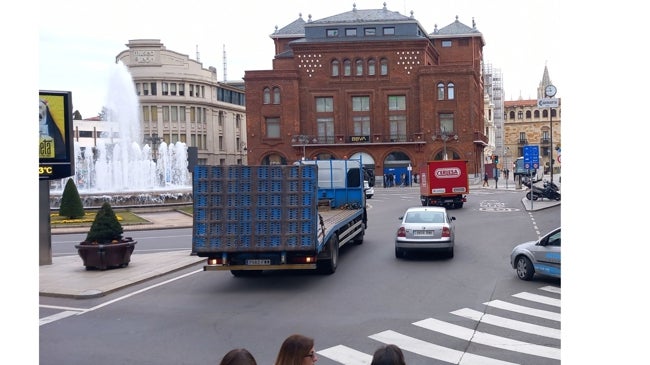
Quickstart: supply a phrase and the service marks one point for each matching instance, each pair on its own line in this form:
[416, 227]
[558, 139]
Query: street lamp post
[550, 92]
[154, 140]
[444, 137]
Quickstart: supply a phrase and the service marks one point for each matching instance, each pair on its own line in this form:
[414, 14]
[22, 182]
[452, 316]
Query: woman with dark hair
[297, 350]
[238, 357]
[388, 355]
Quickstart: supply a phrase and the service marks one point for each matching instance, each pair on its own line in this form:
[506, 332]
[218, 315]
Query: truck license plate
[258, 262]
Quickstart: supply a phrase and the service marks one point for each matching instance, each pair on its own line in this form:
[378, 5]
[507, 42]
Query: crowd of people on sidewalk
[298, 349]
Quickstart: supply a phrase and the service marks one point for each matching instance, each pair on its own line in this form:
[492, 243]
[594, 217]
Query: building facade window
[446, 44]
[325, 128]
[441, 91]
[389, 30]
[332, 33]
[371, 67]
[369, 32]
[324, 104]
[447, 123]
[165, 111]
[360, 115]
[272, 127]
[397, 117]
[520, 114]
[335, 68]
[174, 113]
[172, 89]
[359, 67]
[347, 68]
[383, 64]
[350, 32]
[276, 95]
[267, 95]
[450, 91]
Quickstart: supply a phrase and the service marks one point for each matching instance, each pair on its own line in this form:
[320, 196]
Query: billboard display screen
[55, 135]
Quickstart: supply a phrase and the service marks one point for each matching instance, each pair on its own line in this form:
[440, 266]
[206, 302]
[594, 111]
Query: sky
[75, 55]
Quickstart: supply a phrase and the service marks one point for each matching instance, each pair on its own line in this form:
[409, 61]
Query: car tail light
[446, 232]
[401, 232]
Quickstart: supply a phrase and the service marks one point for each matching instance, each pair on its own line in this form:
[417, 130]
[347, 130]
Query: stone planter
[106, 256]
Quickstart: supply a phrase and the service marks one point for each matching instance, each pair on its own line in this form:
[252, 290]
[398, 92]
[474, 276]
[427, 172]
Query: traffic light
[496, 159]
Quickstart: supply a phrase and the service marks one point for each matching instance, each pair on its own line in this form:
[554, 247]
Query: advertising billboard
[55, 135]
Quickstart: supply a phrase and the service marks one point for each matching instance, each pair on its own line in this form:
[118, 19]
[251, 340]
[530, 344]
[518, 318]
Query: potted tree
[104, 247]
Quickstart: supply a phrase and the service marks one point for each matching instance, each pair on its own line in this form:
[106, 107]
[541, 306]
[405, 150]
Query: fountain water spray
[118, 169]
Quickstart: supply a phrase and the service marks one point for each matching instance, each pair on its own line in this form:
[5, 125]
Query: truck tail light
[446, 232]
[215, 261]
[401, 232]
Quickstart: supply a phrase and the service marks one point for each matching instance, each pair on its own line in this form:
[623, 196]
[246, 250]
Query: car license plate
[258, 262]
[423, 233]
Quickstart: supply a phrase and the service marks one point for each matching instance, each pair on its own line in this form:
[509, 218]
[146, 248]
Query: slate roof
[456, 28]
[365, 16]
[295, 29]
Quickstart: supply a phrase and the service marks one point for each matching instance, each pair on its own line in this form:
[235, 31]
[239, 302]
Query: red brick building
[372, 83]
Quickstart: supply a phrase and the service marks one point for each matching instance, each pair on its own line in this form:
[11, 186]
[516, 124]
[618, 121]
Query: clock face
[550, 90]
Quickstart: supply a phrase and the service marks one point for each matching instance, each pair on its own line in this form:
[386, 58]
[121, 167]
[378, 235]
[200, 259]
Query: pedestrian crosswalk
[526, 331]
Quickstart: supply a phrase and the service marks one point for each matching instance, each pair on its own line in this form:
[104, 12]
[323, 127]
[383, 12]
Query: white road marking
[524, 310]
[508, 323]
[538, 298]
[434, 351]
[346, 355]
[500, 342]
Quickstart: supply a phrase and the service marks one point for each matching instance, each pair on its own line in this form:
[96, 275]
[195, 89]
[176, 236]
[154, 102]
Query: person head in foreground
[238, 357]
[388, 355]
[297, 350]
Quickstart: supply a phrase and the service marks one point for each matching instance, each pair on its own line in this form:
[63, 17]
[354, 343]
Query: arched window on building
[359, 67]
[347, 68]
[335, 68]
[520, 114]
[512, 114]
[276, 95]
[441, 91]
[371, 67]
[528, 115]
[450, 91]
[536, 114]
[383, 64]
[267, 95]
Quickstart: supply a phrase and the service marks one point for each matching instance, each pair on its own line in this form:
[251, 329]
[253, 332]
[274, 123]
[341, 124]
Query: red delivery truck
[444, 183]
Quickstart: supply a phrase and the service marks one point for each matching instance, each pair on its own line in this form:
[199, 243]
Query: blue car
[543, 257]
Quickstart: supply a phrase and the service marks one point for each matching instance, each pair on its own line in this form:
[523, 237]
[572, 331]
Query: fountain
[118, 169]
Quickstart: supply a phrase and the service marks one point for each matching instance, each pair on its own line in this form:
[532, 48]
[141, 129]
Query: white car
[424, 229]
[370, 191]
[543, 256]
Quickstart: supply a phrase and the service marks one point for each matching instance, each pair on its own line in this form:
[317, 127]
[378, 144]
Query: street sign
[548, 103]
[531, 156]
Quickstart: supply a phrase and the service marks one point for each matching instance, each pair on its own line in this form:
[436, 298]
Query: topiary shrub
[71, 205]
[106, 228]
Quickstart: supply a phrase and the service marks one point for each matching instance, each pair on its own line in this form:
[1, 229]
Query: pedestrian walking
[496, 181]
[238, 357]
[297, 350]
[485, 180]
[388, 355]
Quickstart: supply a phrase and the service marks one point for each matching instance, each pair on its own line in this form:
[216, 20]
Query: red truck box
[444, 183]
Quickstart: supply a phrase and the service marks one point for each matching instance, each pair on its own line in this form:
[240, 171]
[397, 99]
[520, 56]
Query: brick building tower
[372, 83]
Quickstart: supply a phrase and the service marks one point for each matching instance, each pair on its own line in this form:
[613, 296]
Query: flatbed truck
[248, 219]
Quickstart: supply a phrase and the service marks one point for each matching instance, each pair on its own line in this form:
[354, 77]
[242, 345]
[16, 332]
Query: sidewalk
[67, 277]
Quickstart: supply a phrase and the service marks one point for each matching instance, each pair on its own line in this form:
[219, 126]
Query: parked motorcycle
[550, 191]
